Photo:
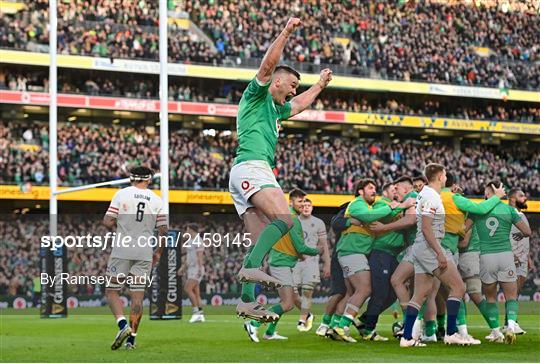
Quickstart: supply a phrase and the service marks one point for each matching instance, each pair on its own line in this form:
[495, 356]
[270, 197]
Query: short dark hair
[450, 179]
[419, 178]
[404, 179]
[297, 193]
[495, 182]
[432, 170]
[288, 69]
[513, 192]
[361, 184]
[308, 200]
[387, 185]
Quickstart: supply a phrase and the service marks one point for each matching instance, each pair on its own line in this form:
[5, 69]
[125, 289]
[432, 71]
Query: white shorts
[408, 257]
[425, 259]
[284, 274]
[497, 267]
[352, 264]
[125, 267]
[469, 264]
[522, 268]
[193, 272]
[121, 268]
[248, 178]
[306, 273]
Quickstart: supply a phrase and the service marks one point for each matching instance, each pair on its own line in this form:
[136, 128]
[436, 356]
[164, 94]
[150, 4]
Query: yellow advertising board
[440, 123]
[8, 192]
[246, 74]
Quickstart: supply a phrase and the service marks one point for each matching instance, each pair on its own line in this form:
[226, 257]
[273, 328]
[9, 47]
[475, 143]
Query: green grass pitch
[87, 334]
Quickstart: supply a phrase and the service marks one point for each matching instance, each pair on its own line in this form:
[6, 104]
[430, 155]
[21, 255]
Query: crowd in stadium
[19, 263]
[139, 86]
[428, 41]
[91, 153]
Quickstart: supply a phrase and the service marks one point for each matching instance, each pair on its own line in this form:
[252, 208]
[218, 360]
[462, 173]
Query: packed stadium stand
[435, 41]
[476, 107]
[196, 90]
[93, 153]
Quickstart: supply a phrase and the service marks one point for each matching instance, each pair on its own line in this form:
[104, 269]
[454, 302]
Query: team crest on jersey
[245, 185]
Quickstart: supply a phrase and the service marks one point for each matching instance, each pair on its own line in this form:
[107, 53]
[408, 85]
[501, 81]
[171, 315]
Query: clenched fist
[326, 77]
[292, 25]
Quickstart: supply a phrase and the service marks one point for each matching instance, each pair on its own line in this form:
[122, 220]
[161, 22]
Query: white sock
[462, 329]
[512, 325]
[496, 331]
[417, 329]
[120, 319]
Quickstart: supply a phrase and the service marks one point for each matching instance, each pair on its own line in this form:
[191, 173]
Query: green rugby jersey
[258, 123]
[392, 241]
[494, 228]
[455, 207]
[359, 239]
[474, 242]
[410, 234]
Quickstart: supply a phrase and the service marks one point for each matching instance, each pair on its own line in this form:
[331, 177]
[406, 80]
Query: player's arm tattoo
[272, 56]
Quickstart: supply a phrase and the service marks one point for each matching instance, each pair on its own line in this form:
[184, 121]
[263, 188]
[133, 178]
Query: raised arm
[482, 208]
[273, 54]
[305, 99]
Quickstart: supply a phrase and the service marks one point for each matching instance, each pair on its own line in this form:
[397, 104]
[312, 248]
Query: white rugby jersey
[313, 229]
[192, 250]
[138, 213]
[429, 203]
[520, 248]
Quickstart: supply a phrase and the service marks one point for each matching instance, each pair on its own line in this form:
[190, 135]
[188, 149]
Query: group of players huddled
[383, 243]
[422, 228]
[428, 235]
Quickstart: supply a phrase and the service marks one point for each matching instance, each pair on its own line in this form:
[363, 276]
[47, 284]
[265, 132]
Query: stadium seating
[95, 153]
[141, 87]
[431, 41]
